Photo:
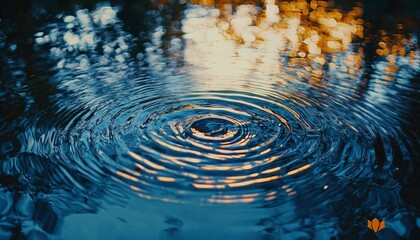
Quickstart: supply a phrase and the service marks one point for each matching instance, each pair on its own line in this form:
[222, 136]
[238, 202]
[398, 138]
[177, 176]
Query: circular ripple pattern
[214, 146]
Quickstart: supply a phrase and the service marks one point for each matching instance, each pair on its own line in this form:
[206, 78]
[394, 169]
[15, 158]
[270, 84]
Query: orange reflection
[126, 176]
[397, 50]
[297, 170]
[255, 181]
[207, 186]
[281, 41]
[271, 170]
[166, 179]
[228, 40]
[145, 161]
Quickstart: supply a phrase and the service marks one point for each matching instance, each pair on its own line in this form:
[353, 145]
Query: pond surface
[209, 120]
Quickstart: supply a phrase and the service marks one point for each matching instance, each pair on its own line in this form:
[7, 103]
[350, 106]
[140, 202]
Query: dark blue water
[202, 120]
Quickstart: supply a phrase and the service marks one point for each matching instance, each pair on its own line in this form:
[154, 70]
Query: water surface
[209, 120]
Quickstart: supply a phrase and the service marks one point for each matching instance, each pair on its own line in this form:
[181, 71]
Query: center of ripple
[213, 128]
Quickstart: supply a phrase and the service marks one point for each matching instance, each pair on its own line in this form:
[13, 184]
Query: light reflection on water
[252, 121]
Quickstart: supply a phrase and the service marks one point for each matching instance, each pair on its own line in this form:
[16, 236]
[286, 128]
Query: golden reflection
[271, 170]
[254, 181]
[229, 39]
[397, 50]
[216, 168]
[243, 167]
[298, 170]
[203, 182]
[176, 148]
[145, 169]
[278, 43]
[133, 173]
[270, 198]
[126, 176]
[175, 160]
[166, 179]
[145, 161]
[231, 200]
[207, 186]
[134, 188]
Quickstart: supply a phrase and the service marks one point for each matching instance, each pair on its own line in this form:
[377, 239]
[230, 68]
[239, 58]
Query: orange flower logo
[375, 225]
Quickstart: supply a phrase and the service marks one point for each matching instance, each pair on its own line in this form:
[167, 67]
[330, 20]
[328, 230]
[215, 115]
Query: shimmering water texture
[208, 120]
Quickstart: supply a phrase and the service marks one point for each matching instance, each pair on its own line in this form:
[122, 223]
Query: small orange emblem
[375, 225]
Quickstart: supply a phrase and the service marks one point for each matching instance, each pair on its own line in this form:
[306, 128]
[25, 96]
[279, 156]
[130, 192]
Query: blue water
[148, 120]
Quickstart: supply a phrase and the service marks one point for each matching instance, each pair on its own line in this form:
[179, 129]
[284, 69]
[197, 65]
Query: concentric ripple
[198, 144]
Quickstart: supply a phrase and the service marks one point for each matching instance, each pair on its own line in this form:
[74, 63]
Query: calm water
[209, 120]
